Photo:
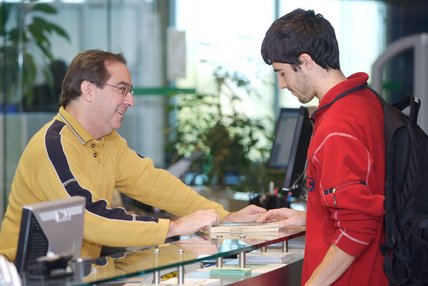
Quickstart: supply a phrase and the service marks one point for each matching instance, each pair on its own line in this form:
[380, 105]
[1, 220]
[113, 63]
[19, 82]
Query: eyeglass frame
[124, 90]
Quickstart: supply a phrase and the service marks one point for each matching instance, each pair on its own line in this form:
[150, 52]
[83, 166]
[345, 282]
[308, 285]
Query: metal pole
[156, 274]
[180, 269]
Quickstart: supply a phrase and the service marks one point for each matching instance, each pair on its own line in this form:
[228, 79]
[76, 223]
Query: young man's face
[111, 103]
[297, 82]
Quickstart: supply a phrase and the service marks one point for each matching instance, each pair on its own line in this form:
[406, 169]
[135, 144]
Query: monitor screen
[50, 227]
[284, 134]
[293, 132]
[298, 152]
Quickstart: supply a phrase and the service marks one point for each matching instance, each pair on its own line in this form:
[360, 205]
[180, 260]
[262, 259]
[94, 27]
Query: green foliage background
[216, 124]
[23, 29]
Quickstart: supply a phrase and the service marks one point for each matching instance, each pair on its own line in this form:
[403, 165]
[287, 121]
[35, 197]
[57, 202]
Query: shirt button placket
[93, 147]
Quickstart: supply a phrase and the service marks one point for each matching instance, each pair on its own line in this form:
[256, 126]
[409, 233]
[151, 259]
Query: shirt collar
[352, 81]
[74, 125]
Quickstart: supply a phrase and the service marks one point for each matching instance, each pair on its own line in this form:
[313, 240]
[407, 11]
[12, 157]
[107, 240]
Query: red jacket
[346, 171]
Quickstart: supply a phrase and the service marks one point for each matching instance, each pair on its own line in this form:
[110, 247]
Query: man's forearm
[334, 264]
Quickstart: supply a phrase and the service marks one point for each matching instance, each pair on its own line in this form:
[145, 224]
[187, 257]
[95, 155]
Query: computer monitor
[50, 227]
[293, 131]
[299, 148]
[284, 133]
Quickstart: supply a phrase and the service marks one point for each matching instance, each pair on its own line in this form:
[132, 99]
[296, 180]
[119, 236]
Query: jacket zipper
[333, 190]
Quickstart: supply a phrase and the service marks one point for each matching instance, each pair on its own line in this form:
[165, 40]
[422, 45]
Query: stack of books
[271, 257]
[244, 228]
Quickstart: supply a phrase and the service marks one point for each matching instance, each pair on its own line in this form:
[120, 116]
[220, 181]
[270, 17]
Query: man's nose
[281, 83]
[129, 99]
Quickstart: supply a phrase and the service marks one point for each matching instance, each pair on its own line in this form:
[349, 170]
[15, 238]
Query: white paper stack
[193, 282]
[258, 257]
[245, 228]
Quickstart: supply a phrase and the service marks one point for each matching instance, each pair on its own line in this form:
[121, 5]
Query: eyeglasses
[124, 90]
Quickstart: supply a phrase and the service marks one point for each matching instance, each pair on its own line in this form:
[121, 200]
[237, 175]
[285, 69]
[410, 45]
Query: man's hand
[248, 214]
[285, 217]
[193, 222]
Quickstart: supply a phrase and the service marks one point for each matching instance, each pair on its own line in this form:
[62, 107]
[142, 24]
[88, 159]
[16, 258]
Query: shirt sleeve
[137, 177]
[157, 187]
[104, 224]
[356, 209]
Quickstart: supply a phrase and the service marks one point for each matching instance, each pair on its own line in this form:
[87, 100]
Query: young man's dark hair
[288, 38]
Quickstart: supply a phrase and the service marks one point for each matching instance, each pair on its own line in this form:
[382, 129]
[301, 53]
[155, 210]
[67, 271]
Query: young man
[346, 161]
[79, 153]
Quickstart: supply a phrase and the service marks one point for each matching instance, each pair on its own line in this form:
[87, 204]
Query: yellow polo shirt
[63, 160]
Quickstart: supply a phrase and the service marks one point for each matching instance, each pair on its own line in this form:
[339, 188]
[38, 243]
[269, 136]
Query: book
[258, 257]
[244, 227]
[193, 282]
[249, 237]
[229, 271]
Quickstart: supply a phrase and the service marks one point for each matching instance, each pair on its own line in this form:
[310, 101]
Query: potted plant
[23, 30]
[235, 146]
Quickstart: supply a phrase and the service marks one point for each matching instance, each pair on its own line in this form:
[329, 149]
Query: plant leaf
[61, 32]
[49, 27]
[44, 8]
[38, 35]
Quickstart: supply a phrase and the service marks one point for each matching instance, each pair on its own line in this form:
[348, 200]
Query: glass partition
[138, 265]
[38, 40]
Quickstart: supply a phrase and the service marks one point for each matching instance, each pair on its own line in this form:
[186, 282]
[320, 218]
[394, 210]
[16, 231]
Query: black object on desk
[269, 201]
[49, 267]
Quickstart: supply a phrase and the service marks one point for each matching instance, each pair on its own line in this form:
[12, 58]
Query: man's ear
[87, 90]
[306, 61]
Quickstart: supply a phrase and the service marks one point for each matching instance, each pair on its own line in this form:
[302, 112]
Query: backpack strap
[343, 94]
[394, 112]
[415, 104]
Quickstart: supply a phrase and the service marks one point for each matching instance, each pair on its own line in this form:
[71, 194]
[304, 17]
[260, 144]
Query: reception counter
[219, 259]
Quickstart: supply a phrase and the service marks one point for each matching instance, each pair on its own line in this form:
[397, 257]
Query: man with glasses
[79, 153]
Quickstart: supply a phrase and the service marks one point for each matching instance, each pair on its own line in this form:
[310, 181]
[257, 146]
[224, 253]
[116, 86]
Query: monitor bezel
[283, 112]
[298, 155]
[31, 214]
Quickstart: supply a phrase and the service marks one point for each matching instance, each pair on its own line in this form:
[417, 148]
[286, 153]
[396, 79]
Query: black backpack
[406, 205]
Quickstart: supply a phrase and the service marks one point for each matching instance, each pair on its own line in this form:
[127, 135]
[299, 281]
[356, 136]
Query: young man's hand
[248, 214]
[285, 217]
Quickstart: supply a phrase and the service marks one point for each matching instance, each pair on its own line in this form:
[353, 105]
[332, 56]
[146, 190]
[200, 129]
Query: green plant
[23, 30]
[216, 124]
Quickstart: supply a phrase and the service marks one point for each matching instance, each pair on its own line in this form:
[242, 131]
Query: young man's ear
[306, 61]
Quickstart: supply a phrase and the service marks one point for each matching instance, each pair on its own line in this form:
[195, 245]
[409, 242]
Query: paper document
[245, 227]
[258, 257]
